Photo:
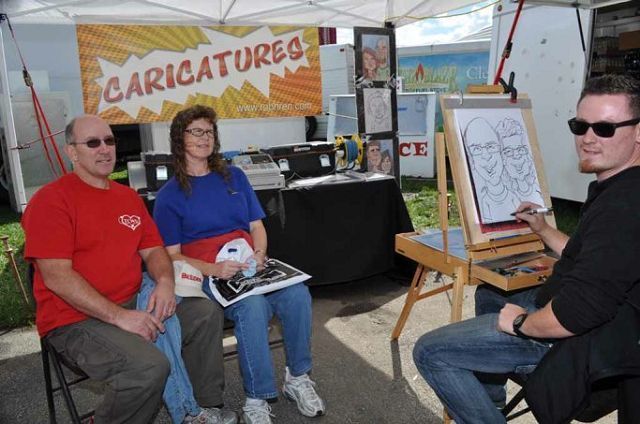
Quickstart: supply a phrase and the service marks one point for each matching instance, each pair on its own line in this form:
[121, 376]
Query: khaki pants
[135, 371]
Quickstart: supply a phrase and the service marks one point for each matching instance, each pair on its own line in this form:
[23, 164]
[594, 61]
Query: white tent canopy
[335, 13]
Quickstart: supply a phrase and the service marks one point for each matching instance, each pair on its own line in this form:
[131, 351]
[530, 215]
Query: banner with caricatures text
[144, 73]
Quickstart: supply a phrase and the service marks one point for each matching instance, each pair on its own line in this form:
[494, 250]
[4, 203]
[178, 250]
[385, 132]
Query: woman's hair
[386, 155]
[369, 51]
[176, 135]
[373, 143]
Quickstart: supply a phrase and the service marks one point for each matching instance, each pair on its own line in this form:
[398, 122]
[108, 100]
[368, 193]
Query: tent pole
[11, 155]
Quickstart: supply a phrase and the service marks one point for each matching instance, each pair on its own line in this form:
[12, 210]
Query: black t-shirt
[601, 261]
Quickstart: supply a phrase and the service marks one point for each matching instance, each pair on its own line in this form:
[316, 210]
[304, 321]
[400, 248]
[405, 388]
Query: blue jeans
[178, 392]
[251, 315]
[449, 358]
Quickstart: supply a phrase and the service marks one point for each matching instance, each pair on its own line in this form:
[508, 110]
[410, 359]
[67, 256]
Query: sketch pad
[433, 238]
[495, 162]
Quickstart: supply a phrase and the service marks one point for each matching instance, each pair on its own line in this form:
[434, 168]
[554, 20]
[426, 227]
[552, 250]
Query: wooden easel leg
[412, 296]
[457, 295]
[445, 416]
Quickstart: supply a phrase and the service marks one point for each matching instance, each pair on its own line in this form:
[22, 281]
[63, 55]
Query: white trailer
[550, 66]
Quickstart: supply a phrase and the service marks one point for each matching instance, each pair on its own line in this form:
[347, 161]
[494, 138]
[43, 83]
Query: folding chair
[50, 357]
[519, 379]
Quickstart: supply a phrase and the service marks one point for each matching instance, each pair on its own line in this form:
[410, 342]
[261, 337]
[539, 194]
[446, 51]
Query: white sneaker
[301, 390]
[256, 411]
[212, 416]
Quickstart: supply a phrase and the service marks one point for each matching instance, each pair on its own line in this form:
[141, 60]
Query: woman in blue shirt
[206, 204]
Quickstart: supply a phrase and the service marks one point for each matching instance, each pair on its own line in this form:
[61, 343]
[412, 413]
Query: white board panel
[550, 67]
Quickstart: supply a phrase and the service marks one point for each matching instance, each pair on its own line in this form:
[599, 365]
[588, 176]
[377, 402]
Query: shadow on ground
[363, 377]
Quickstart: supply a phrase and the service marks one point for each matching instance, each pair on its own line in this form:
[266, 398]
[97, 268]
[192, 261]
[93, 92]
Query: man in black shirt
[598, 267]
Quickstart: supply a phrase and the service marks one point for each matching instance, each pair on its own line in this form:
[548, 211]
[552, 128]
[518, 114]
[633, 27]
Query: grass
[421, 197]
[13, 310]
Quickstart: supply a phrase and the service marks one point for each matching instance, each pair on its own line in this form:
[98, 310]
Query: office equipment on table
[261, 170]
[158, 169]
[301, 160]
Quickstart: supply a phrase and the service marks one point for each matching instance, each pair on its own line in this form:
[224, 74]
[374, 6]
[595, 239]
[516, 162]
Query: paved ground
[363, 377]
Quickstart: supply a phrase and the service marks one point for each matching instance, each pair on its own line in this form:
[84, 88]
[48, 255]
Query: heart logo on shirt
[131, 221]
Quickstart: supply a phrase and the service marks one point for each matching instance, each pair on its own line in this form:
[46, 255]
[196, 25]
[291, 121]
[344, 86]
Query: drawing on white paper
[377, 110]
[518, 161]
[499, 156]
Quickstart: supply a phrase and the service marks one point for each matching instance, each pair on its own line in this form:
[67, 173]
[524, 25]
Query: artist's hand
[508, 313]
[537, 222]
[162, 301]
[227, 269]
[141, 323]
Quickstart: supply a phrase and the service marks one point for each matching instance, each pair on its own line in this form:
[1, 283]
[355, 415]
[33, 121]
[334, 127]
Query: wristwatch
[517, 323]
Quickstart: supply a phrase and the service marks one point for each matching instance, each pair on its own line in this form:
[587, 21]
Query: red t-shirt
[101, 231]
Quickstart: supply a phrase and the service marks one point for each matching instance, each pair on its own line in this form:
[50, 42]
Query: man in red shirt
[87, 237]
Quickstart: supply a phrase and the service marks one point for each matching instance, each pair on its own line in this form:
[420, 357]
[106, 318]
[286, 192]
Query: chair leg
[66, 393]
[515, 400]
[47, 383]
[63, 385]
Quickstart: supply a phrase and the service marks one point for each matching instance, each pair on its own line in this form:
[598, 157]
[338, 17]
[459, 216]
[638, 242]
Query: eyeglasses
[602, 129]
[476, 149]
[199, 132]
[96, 142]
[511, 152]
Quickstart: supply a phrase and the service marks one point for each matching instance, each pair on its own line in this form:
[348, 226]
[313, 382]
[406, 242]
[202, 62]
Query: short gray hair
[68, 131]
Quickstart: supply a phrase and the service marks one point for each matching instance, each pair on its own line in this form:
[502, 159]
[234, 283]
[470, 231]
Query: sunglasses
[602, 129]
[95, 142]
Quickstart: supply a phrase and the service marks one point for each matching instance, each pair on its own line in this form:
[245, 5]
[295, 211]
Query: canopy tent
[336, 13]
[313, 13]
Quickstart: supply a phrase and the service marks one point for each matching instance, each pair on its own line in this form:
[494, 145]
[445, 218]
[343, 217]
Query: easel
[463, 271]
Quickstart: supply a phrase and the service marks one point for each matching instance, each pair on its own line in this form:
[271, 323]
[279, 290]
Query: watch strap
[517, 323]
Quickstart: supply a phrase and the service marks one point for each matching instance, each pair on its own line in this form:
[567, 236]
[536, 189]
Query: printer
[301, 160]
[261, 170]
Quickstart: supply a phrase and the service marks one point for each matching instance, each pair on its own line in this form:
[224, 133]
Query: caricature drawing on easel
[500, 161]
[518, 162]
[493, 147]
[482, 145]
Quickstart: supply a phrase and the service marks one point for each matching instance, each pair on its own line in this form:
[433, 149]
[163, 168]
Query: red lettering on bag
[191, 277]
